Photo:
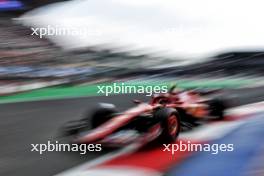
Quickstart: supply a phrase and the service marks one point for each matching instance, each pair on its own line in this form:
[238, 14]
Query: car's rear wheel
[170, 123]
[217, 108]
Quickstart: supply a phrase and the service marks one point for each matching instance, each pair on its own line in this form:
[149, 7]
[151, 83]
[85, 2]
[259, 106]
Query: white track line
[113, 171]
[127, 150]
[211, 131]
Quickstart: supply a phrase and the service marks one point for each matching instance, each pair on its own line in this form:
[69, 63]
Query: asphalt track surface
[23, 124]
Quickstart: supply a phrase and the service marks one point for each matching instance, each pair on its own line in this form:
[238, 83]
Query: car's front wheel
[102, 113]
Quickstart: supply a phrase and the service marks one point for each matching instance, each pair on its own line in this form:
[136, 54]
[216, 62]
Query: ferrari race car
[161, 119]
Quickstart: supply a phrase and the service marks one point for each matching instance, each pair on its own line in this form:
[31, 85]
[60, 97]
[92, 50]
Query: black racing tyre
[102, 113]
[170, 123]
[217, 108]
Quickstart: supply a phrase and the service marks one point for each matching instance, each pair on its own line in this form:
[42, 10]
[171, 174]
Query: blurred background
[121, 50]
[198, 44]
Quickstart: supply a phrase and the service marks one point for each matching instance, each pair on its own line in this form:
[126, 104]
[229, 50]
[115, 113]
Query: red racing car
[161, 119]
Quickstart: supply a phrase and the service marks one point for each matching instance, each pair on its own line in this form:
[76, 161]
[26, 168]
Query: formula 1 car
[161, 119]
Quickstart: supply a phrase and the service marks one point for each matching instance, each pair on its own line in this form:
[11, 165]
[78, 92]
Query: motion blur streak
[248, 147]
[200, 46]
[155, 160]
[179, 27]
